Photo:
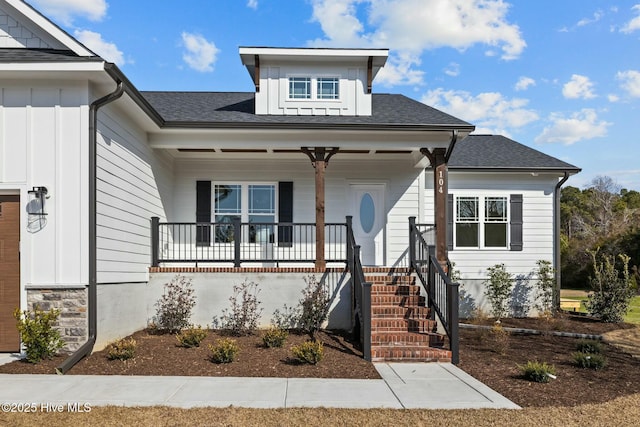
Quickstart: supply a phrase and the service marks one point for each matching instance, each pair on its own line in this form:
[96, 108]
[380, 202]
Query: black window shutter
[285, 213]
[449, 222]
[515, 203]
[203, 212]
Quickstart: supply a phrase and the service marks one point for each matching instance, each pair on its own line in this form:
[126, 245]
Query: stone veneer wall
[72, 303]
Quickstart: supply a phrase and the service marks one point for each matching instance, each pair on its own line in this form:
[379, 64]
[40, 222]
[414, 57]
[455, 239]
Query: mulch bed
[479, 356]
[159, 355]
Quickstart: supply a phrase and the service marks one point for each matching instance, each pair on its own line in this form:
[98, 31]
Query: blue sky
[560, 76]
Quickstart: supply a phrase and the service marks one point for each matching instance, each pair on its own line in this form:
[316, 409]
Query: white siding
[400, 178]
[43, 134]
[134, 183]
[537, 210]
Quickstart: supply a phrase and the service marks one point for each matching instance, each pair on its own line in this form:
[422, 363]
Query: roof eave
[318, 126]
[571, 170]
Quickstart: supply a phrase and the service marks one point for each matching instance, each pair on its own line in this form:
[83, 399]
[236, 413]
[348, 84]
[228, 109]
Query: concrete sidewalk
[403, 385]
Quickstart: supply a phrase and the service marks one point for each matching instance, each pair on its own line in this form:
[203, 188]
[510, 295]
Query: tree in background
[604, 216]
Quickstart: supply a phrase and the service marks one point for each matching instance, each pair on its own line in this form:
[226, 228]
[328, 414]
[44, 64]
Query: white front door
[367, 208]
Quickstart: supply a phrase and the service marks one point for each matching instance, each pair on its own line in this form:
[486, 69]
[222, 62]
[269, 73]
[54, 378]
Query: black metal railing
[361, 292]
[443, 294]
[241, 242]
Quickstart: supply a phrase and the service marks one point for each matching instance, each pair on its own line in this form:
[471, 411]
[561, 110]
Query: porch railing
[361, 291]
[443, 294]
[240, 242]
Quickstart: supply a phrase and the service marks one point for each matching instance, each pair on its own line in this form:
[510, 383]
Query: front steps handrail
[442, 293]
[361, 291]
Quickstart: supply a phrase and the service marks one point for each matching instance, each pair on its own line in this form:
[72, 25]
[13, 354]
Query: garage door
[9, 271]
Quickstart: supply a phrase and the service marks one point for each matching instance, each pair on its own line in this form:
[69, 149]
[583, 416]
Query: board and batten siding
[537, 218]
[43, 134]
[400, 178]
[134, 183]
[273, 97]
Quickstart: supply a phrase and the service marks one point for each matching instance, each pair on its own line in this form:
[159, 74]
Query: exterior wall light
[36, 201]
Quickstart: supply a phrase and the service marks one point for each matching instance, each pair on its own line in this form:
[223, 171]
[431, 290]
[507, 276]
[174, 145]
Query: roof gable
[21, 26]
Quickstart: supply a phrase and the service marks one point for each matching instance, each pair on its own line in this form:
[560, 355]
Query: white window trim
[482, 221]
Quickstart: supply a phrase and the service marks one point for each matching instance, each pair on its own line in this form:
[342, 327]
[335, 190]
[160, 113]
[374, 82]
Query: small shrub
[314, 306]
[499, 338]
[612, 289]
[39, 337]
[546, 284]
[122, 349]
[174, 308]
[225, 350]
[537, 371]
[589, 346]
[191, 337]
[274, 337]
[287, 318]
[243, 315]
[498, 289]
[589, 360]
[310, 352]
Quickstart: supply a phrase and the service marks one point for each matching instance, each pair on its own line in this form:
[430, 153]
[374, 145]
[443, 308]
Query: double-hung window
[481, 222]
[250, 203]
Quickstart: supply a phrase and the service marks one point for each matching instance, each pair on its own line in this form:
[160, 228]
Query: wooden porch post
[320, 159]
[437, 157]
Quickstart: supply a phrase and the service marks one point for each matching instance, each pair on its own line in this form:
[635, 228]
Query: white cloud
[453, 69]
[66, 10]
[200, 53]
[633, 24]
[630, 82]
[490, 111]
[586, 21]
[579, 126]
[612, 97]
[411, 26]
[578, 87]
[524, 83]
[107, 50]
[253, 4]
[398, 70]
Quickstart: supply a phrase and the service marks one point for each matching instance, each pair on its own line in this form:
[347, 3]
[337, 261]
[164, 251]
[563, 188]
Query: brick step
[406, 338]
[393, 353]
[396, 312]
[397, 300]
[403, 325]
[387, 270]
[395, 290]
[389, 280]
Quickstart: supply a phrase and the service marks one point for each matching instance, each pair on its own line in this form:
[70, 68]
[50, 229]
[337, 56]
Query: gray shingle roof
[477, 152]
[238, 108]
[8, 55]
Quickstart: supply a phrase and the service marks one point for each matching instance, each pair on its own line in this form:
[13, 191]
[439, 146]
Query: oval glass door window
[367, 213]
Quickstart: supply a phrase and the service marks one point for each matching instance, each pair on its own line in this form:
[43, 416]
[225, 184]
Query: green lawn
[633, 315]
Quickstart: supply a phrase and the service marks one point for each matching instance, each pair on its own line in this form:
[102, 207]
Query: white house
[107, 191]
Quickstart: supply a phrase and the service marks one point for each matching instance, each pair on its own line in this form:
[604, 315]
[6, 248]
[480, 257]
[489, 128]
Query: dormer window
[328, 88]
[299, 88]
[314, 88]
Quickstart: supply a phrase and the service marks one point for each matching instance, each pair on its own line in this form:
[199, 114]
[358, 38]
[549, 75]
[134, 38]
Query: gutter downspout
[87, 347]
[556, 241]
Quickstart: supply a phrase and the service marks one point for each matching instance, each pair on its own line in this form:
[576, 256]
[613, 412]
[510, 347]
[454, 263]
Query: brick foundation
[72, 303]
